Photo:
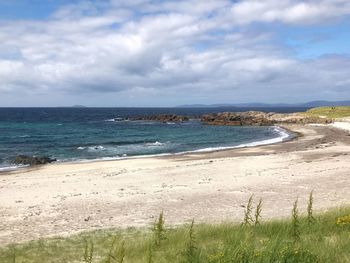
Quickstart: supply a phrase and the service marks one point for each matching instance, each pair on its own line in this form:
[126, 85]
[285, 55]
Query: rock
[258, 118]
[32, 160]
[162, 118]
[237, 118]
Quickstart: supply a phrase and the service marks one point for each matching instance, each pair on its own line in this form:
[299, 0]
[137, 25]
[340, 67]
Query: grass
[310, 238]
[330, 112]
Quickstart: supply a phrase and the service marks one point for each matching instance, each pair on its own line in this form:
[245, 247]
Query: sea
[75, 134]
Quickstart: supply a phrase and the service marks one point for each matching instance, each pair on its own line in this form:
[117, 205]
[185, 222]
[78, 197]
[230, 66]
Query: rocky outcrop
[32, 160]
[162, 118]
[237, 118]
[253, 118]
[258, 118]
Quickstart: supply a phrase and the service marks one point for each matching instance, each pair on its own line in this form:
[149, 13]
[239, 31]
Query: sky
[144, 53]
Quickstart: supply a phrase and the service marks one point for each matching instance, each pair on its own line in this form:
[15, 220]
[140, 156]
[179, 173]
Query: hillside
[330, 112]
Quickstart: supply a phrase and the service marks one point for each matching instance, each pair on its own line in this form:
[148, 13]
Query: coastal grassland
[330, 112]
[307, 238]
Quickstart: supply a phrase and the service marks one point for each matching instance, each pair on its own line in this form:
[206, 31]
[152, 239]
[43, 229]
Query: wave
[11, 168]
[120, 143]
[124, 148]
[154, 144]
[91, 148]
[19, 136]
[283, 136]
[118, 119]
[24, 136]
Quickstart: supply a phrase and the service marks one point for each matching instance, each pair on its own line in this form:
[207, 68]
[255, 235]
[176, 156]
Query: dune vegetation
[330, 112]
[305, 237]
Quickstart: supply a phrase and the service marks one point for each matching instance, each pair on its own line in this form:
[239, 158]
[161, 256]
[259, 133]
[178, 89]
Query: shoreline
[68, 198]
[285, 136]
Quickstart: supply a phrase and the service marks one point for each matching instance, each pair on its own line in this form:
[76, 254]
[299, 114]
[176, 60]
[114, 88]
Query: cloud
[288, 11]
[187, 50]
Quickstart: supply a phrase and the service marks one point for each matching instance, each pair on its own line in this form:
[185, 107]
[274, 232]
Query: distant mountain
[311, 104]
[322, 103]
[205, 106]
[79, 106]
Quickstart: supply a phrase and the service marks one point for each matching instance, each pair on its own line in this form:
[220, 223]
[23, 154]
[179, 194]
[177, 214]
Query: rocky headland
[258, 118]
[248, 118]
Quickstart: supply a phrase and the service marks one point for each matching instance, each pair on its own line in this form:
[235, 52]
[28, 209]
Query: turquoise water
[72, 134]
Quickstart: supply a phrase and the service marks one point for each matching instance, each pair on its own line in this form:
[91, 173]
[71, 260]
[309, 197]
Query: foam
[283, 135]
[91, 148]
[155, 144]
[12, 168]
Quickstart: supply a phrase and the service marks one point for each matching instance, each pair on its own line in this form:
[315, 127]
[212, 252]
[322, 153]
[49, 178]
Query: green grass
[330, 112]
[326, 238]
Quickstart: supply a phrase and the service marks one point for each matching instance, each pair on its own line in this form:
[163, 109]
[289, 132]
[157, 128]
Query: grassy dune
[330, 112]
[308, 238]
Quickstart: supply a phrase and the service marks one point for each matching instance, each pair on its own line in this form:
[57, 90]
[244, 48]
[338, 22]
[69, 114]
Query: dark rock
[162, 118]
[237, 118]
[32, 160]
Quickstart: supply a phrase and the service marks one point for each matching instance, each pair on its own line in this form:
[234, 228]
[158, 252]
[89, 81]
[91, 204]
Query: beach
[61, 199]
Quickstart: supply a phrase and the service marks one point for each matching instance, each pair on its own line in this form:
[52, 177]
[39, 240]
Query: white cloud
[289, 11]
[183, 49]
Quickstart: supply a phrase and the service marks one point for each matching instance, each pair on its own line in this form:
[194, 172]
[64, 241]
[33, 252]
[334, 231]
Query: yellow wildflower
[343, 220]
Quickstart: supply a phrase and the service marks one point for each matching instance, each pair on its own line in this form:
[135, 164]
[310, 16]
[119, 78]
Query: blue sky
[166, 53]
[30, 9]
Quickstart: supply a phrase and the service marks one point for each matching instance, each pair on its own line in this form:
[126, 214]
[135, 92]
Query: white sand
[61, 199]
[344, 125]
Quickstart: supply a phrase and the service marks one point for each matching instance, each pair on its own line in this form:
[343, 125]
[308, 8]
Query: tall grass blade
[248, 219]
[258, 212]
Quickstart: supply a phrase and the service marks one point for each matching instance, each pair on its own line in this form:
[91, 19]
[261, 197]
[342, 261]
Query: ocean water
[74, 134]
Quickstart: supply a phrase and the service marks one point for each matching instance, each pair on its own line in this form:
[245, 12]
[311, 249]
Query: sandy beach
[66, 198]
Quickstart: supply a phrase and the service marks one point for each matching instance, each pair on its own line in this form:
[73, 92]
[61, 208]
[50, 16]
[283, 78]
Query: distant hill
[205, 106]
[311, 104]
[323, 103]
[79, 106]
[330, 112]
